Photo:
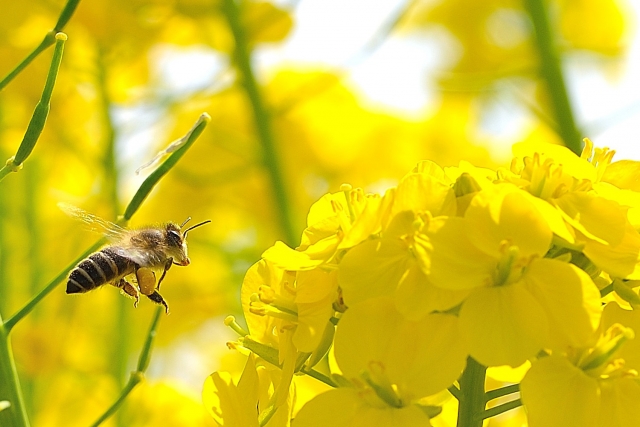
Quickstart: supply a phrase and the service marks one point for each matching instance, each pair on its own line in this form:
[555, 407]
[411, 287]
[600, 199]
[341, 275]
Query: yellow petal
[347, 407]
[259, 274]
[506, 213]
[557, 394]
[621, 260]
[420, 192]
[373, 268]
[623, 174]
[596, 217]
[417, 297]
[569, 298]
[619, 403]
[630, 352]
[571, 163]
[290, 259]
[420, 358]
[456, 263]
[504, 325]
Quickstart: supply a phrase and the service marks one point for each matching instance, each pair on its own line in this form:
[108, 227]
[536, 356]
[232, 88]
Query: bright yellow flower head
[243, 403]
[520, 302]
[588, 386]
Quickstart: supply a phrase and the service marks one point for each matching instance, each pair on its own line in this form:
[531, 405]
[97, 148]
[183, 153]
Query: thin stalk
[154, 177]
[455, 392]
[138, 375]
[121, 344]
[110, 181]
[606, 290]
[262, 119]
[551, 72]
[497, 410]
[11, 322]
[503, 391]
[49, 39]
[16, 414]
[40, 114]
[4, 251]
[318, 376]
[472, 398]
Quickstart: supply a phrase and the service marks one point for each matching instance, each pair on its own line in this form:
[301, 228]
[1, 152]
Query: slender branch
[455, 392]
[551, 72]
[503, 391]
[48, 40]
[472, 401]
[11, 322]
[16, 414]
[606, 290]
[497, 410]
[138, 375]
[262, 119]
[319, 376]
[40, 114]
[154, 177]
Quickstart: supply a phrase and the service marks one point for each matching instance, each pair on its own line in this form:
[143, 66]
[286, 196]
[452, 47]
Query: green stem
[472, 398]
[551, 72]
[138, 375]
[497, 410]
[48, 40]
[503, 391]
[318, 376]
[11, 322]
[150, 182]
[110, 180]
[40, 114]
[16, 414]
[121, 344]
[606, 290]
[262, 119]
[455, 392]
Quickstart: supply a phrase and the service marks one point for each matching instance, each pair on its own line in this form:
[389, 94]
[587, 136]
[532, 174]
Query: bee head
[177, 241]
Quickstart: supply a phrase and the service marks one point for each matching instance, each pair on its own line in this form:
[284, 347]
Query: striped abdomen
[98, 269]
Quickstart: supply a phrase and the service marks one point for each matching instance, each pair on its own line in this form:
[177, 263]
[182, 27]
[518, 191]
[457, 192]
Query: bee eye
[174, 238]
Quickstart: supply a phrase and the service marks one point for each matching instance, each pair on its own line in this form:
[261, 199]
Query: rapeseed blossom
[394, 299]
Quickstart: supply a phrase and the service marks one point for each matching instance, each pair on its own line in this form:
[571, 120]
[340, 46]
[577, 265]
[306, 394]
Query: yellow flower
[401, 360]
[598, 224]
[244, 402]
[274, 300]
[519, 302]
[392, 266]
[593, 386]
[350, 407]
[336, 221]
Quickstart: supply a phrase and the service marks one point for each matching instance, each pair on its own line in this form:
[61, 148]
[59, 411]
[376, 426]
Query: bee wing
[137, 255]
[93, 222]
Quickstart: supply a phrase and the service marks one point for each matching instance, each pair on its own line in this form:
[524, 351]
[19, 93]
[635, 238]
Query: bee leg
[128, 289]
[157, 298]
[167, 266]
[146, 280]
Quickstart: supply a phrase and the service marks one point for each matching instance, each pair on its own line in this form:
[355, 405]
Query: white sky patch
[186, 69]
[332, 32]
[394, 76]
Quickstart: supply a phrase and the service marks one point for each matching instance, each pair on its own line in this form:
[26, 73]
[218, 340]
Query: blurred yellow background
[352, 91]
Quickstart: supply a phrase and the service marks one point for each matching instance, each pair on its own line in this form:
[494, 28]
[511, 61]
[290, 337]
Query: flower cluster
[387, 297]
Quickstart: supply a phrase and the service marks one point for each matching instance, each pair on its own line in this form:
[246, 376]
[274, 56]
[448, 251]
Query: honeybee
[137, 254]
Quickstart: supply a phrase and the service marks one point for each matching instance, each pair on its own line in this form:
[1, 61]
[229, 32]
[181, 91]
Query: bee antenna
[194, 226]
[185, 221]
